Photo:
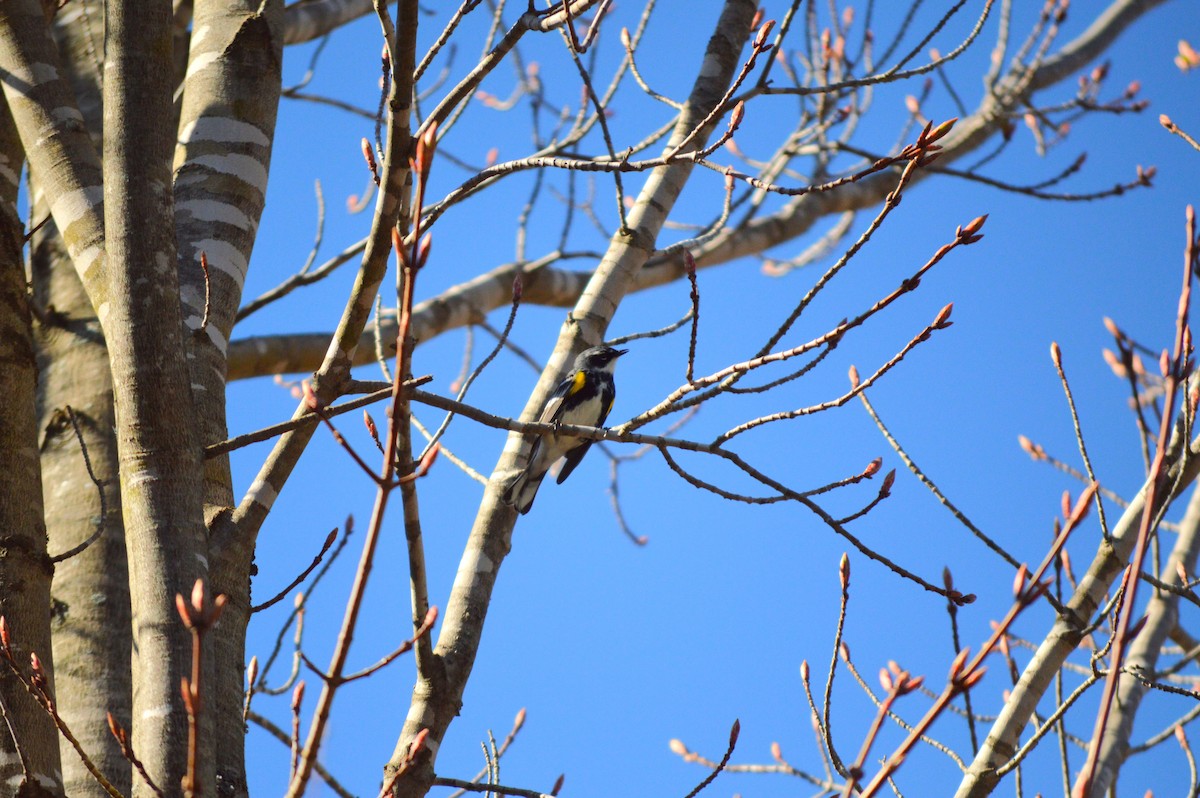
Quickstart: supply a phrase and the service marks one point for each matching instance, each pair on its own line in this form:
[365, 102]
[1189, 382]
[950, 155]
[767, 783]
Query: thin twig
[332, 536]
[87, 462]
[733, 736]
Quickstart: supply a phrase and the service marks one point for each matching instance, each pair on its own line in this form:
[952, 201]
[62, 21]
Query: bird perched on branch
[582, 399]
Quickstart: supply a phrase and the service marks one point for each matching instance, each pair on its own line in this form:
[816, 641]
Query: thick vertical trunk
[28, 739]
[226, 128]
[91, 589]
[159, 455]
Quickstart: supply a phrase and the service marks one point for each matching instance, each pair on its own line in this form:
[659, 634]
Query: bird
[583, 398]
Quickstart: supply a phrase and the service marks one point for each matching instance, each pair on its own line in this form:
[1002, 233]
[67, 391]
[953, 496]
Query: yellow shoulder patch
[577, 383]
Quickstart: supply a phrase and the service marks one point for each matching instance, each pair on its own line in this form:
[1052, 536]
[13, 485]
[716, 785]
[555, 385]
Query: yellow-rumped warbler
[582, 399]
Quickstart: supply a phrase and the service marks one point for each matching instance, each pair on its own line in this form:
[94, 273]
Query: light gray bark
[159, 457]
[91, 589]
[25, 567]
[222, 162]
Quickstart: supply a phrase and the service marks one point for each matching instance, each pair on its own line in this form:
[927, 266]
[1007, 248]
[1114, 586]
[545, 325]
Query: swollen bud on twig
[804, 672]
[198, 595]
[1032, 449]
[426, 146]
[873, 467]
[853, 373]
[844, 571]
[369, 157]
[519, 720]
[969, 234]
[372, 430]
[889, 479]
[1114, 363]
[777, 752]
[1018, 586]
[310, 398]
[760, 38]
[1084, 503]
[182, 608]
[941, 321]
[677, 747]
[298, 696]
[431, 617]
[423, 250]
[428, 460]
[626, 42]
[1056, 354]
[940, 131]
[117, 730]
[973, 678]
[735, 119]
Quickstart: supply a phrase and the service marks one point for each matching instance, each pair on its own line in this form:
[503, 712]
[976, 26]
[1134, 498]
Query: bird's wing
[608, 395]
[552, 412]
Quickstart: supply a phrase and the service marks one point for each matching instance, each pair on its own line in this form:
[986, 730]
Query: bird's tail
[522, 490]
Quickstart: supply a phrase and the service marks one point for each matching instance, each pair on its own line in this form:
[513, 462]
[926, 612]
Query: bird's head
[598, 358]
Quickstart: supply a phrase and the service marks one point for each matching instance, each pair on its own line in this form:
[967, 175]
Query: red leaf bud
[1018, 586]
[760, 39]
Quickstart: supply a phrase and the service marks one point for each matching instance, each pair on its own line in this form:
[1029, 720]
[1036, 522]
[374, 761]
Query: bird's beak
[621, 352]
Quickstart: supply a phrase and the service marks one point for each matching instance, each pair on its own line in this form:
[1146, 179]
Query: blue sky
[615, 649]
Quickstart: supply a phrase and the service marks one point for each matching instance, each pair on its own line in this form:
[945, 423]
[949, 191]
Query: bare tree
[146, 134]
